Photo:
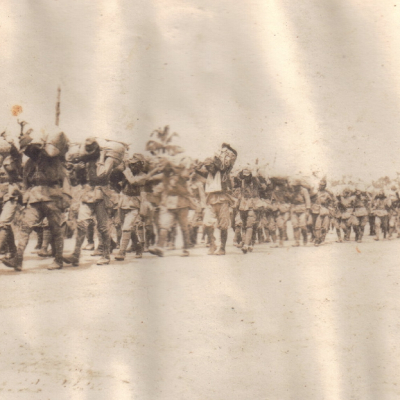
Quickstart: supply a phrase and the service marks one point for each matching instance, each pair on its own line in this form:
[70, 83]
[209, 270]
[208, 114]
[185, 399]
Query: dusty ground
[277, 324]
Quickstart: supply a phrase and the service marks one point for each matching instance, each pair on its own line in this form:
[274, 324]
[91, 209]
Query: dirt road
[276, 324]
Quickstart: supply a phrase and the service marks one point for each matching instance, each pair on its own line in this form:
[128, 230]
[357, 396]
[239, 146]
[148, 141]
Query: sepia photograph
[199, 200]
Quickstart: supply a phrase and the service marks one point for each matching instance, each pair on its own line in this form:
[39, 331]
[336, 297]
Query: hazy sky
[294, 83]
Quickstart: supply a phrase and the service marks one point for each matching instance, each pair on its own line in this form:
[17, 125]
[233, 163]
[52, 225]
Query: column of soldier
[135, 202]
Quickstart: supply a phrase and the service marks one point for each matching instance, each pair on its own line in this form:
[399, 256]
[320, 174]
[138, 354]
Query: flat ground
[276, 324]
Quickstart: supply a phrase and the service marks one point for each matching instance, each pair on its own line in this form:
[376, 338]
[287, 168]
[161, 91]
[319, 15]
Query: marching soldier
[321, 213]
[300, 208]
[219, 200]
[380, 207]
[93, 171]
[46, 194]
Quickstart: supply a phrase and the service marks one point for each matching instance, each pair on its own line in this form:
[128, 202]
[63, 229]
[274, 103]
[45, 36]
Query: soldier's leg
[103, 226]
[150, 236]
[317, 226]
[128, 219]
[182, 218]
[90, 236]
[39, 233]
[237, 240]
[172, 232]
[326, 220]
[385, 225]
[337, 223]
[139, 226]
[377, 227]
[363, 221]
[56, 220]
[260, 226]
[296, 228]
[310, 229]
[118, 226]
[166, 221]
[346, 226]
[280, 224]
[210, 222]
[303, 227]
[247, 237]
[286, 217]
[6, 233]
[250, 228]
[272, 228]
[223, 224]
[31, 216]
[85, 217]
[391, 225]
[44, 251]
[265, 224]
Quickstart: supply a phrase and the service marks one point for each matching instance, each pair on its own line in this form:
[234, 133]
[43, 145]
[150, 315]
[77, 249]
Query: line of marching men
[61, 189]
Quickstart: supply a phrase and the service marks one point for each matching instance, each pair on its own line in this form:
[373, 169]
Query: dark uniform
[46, 196]
[94, 174]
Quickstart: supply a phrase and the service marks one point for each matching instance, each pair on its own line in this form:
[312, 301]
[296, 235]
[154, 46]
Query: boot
[296, 233]
[305, 236]
[172, 237]
[213, 247]
[55, 265]
[139, 250]
[281, 238]
[126, 237]
[98, 251]
[15, 262]
[237, 238]
[108, 246]
[285, 235]
[39, 232]
[89, 246]
[224, 238]
[356, 231]
[260, 235]
[134, 243]
[249, 236]
[74, 257]
[103, 261]
[360, 234]
[323, 236]
[148, 237]
[118, 230]
[7, 241]
[162, 238]
[267, 236]
[339, 235]
[44, 251]
[195, 231]
[90, 237]
[317, 240]
[71, 259]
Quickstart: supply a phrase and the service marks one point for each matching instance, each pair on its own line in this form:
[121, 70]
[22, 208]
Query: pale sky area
[293, 83]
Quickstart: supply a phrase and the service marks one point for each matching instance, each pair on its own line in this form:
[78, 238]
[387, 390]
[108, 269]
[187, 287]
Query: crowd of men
[136, 202]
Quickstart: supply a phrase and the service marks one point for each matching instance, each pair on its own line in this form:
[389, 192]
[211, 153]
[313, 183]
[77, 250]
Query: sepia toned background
[300, 85]
[295, 84]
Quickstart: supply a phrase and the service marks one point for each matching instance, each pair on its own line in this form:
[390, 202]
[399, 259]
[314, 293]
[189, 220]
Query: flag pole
[58, 106]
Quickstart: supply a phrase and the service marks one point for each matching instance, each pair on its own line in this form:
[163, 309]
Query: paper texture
[302, 86]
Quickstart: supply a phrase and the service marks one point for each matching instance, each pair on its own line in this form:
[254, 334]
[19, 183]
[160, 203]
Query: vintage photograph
[199, 200]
